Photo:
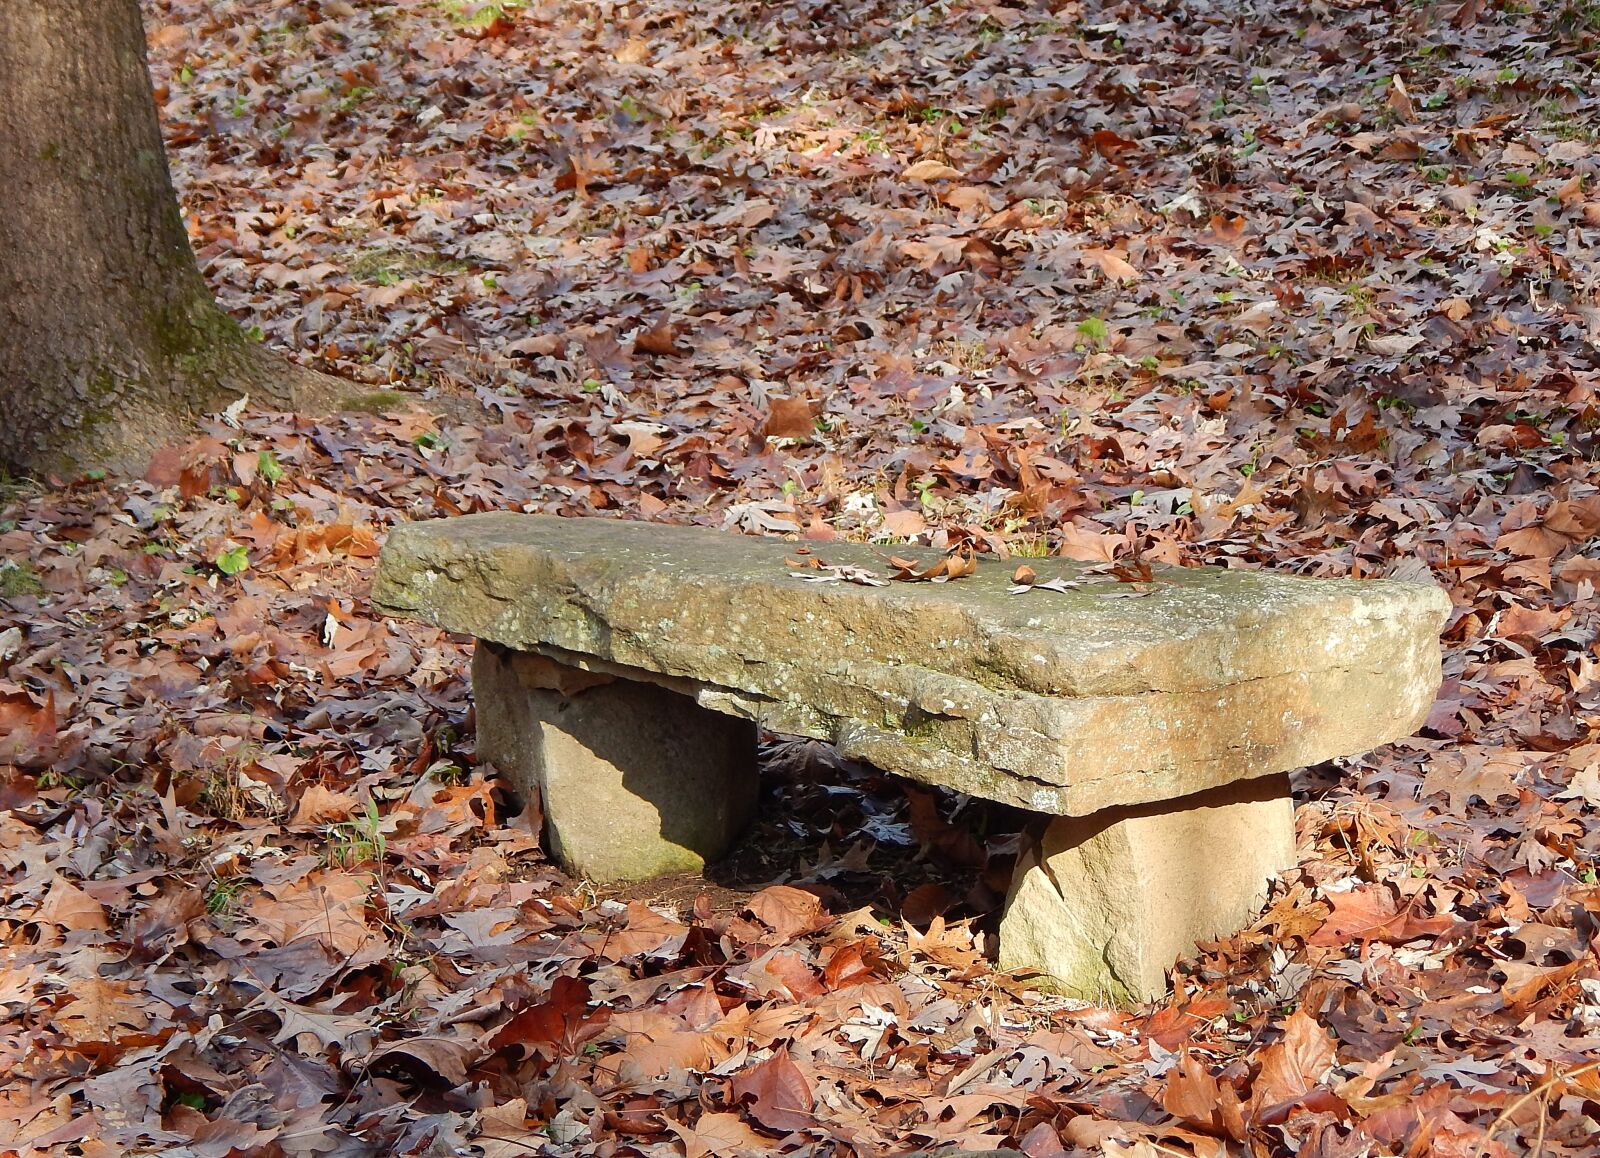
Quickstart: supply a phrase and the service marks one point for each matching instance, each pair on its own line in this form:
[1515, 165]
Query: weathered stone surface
[635, 780]
[1103, 905]
[1065, 703]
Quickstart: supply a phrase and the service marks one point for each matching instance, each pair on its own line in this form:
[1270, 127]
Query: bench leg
[635, 781]
[1103, 905]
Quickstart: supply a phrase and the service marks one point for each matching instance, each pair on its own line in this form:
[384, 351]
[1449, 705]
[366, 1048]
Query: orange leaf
[661, 340]
[1293, 1067]
[780, 1096]
[790, 418]
[788, 911]
[929, 171]
[1109, 262]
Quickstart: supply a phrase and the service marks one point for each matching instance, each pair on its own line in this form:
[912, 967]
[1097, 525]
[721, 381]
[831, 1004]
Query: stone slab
[1101, 906]
[635, 781]
[1064, 703]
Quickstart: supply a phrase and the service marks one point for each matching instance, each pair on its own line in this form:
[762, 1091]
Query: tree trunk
[110, 342]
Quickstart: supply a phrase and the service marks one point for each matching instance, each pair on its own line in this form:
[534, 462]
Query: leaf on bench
[957, 565]
[857, 575]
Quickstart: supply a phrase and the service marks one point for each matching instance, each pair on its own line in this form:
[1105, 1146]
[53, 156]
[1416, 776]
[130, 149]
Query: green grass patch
[18, 579]
[387, 265]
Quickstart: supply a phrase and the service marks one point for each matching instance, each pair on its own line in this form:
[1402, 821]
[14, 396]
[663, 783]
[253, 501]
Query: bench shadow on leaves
[858, 837]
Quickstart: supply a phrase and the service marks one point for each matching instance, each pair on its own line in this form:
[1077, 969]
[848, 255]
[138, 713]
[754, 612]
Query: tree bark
[110, 342]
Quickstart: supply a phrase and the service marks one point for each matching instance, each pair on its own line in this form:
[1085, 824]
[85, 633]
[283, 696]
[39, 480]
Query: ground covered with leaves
[1290, 285]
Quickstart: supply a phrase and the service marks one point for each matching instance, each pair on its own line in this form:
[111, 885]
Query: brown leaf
[781, 973]
[165, 921]
[957, 565]
[308, 1027]
[70, 908]
[1525, 984]
[969, 198]
[319, 805]
[446, 1056]
[787, 911]
[329, 907]
[1111, 146]
[634, 50]
[1109, 262]
[558, 1024]
[854, 964]
[655, 1044]
[719, 1136]
[1196, 1097]
[904, 522]
[778, 1094]
[1293, 1067]
[929, 170]
[661, 340]
[100, 1011]
[790, 418]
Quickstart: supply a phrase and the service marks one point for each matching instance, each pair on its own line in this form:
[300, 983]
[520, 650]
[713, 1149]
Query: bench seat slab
[1102, 906]
[1065, 702]
[636, 781]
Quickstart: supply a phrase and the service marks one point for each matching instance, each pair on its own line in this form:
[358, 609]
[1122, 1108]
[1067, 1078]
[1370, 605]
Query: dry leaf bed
[1284, 285]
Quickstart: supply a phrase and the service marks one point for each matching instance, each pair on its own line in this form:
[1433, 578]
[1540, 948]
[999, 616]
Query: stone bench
[623, 668]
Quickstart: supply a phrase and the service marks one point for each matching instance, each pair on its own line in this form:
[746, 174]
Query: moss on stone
[377, 402]
[919, 726]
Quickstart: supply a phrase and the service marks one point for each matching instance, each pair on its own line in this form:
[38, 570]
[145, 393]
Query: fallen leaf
[777, 1093]
[929, 170]
[790, 418]
[788, 911]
